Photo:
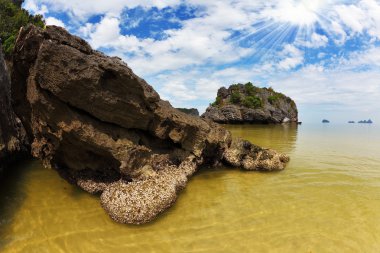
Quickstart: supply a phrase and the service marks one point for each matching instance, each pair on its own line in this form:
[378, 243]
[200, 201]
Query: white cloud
[84, 9]
[311, 87]
[369, 57]
[105, 33]
[352, 16]
[36, 7]
[189, 63]
[314, 41]
[301, 12]
[54, 21]
[359, 18]
[293, 57]
[200, 40]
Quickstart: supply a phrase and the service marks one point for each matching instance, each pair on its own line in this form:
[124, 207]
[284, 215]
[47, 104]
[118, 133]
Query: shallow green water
[328, 200]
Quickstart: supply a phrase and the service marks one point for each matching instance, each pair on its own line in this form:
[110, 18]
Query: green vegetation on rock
[218, 102]
[274, 98]
[252, 102]
[250, 96]
[250, 89]
[293, 104]
[13, 17]
[235, 87]
[245, 102]
[235, 98]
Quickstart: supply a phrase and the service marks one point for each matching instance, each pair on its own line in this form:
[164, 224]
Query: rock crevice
[12, 134]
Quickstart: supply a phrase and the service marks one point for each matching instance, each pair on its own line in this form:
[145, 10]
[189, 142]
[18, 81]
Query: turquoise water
[327, 200]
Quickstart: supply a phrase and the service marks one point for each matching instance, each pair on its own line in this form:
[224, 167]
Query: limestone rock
[105, 129]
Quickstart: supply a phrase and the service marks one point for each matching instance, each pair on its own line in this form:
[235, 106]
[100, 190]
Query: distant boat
[351, 122]
[325, 121]
[366, 121]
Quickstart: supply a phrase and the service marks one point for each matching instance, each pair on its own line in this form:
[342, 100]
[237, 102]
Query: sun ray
[287, 22]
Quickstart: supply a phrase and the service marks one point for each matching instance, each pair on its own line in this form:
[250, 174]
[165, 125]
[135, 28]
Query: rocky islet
[246, 103]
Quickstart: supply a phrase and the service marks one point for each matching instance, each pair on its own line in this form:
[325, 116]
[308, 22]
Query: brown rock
[106, 130]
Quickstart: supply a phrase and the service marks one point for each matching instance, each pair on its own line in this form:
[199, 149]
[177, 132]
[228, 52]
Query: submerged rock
[249, 104]
[12, 134]
[105, 129]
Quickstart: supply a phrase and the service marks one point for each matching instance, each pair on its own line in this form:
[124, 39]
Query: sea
[326, 200]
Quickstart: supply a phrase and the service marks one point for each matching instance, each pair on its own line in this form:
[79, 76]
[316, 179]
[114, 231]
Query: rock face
[189, 111]
[249, 104]
[105, 129]
[12, 134]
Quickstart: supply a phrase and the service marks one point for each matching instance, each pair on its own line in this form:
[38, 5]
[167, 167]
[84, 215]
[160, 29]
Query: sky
[325, 54]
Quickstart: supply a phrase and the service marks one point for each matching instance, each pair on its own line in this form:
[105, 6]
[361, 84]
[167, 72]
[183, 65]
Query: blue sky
[325, 54]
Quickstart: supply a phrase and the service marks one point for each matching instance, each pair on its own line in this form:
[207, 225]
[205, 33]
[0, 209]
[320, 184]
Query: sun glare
[299, 12]
[288, 21]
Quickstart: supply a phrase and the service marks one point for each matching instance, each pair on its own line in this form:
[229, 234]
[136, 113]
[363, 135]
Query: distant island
[325, 121]
[246, 103]
[351, 122]
[365, 121]
[189, 111]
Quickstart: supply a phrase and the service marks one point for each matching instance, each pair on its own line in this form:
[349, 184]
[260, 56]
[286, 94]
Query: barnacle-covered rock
[251, 157]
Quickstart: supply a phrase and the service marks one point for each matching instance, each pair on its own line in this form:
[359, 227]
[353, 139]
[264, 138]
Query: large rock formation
[249, 104]
[12, 134]
[105, 129]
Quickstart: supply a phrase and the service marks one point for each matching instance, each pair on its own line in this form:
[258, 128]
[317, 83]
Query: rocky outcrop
[12, 134]
[249, 104]
[190, 111]
[105, 129]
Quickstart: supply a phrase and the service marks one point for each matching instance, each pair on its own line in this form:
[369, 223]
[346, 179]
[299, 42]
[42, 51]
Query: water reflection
[327, 200]
[280, 137]
[12, 195]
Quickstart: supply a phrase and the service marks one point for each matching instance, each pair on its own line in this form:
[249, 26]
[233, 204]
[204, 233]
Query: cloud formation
[318, 51]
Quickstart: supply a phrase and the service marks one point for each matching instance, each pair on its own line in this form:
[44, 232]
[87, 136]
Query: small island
[351, 122]
[246, 103]
[365, 121]
[189, 111]
[325, 121]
